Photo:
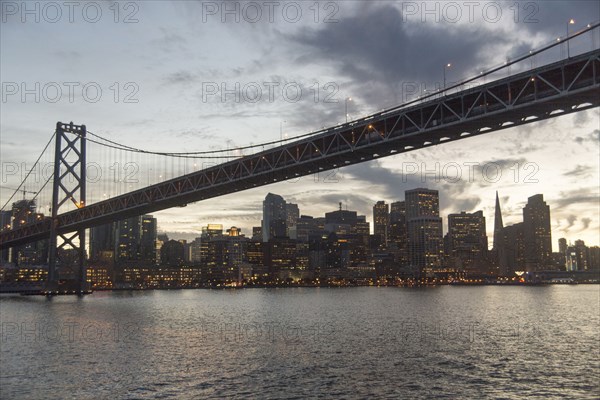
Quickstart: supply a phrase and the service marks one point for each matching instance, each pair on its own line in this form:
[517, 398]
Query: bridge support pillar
[68, 186]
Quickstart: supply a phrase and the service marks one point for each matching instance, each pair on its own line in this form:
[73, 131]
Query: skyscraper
[274, 217]
[381, 216]
[536, 233]
[582, 255]
[292, 213]
[562, 251]
[102, 242]
[514, 249]
[148, 238]
[499, 251]
[397, 232]
[467, 240]
[135, 239]
[424, 228]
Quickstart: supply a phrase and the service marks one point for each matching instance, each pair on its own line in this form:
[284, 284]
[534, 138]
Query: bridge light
[571, 22]
[346, 100]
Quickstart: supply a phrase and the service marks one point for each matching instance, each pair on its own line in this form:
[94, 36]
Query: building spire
[498, 226]
[499, 240]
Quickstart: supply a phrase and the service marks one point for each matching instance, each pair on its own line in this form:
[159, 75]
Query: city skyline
[247, 228]
[408, 245]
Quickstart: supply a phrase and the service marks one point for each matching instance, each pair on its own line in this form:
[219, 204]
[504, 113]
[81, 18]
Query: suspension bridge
[454, 113]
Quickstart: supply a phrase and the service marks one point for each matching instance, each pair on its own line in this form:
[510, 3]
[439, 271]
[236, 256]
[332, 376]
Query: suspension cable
[30, 171]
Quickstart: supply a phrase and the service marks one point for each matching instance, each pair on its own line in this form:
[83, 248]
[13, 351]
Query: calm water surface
[446, 342]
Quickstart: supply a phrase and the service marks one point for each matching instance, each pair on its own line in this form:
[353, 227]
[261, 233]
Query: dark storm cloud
[551, 17]
[374, 46]
[312, 116]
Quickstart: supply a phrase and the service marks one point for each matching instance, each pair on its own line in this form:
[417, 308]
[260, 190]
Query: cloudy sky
[188, 76]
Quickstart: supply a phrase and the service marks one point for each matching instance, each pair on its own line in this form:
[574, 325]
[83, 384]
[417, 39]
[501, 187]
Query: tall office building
[582, 250]
[274, 217]
[562, 251]
[562, 245]
[148, 238]
[397, 210]
[381, 217]
[514, 249]
[424, 229]
[537, 233]
[351, 239]
[398, 233]
[127, 239]
[135, 239]
[292, 213]
[237, 247]
[306, 227]
[196, 250]
[467, 240]
[594, 258]
[102, 242]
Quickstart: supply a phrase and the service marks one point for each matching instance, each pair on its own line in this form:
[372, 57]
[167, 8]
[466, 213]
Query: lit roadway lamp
[281, 130]
[346, 100]
[446, 66]
[570, 22]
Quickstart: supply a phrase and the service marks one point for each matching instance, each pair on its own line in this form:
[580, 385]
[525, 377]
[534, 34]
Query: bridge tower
[68, 185]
